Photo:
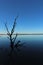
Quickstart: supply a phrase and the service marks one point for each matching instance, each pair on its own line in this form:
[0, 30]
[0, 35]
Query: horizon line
[25, 34]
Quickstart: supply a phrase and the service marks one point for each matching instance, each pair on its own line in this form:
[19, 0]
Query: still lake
[32, 41]
[32, 48]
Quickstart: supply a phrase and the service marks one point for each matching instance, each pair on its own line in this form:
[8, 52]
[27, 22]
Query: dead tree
[13, 39]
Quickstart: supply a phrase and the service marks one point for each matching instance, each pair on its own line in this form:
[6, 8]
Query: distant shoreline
[26, 34]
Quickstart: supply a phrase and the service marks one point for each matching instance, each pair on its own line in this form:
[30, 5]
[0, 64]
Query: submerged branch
[15, 38]
[17, 44]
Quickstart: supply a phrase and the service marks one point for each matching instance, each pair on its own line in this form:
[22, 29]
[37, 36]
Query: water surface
[32, 49]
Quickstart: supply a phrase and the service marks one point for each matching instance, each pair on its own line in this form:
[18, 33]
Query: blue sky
[30, 15]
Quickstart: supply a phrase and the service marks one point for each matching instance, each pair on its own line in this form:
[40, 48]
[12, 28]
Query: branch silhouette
[8, 33]
[12, 31]
[13, 44]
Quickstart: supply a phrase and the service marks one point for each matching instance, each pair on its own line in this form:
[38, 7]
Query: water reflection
[33, 47]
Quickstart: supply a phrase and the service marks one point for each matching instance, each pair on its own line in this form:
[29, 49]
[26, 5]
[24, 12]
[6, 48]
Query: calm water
[34, 42]
[32, 48]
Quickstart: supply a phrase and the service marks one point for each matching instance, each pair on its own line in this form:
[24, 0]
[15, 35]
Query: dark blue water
[32, 41]
[32, 49]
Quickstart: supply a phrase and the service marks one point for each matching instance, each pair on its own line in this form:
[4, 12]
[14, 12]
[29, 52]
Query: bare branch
[15, 38]
[17, 44]
[8, 33]
[12, 31]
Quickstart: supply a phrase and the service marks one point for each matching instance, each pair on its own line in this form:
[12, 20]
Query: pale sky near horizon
[30, 15]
